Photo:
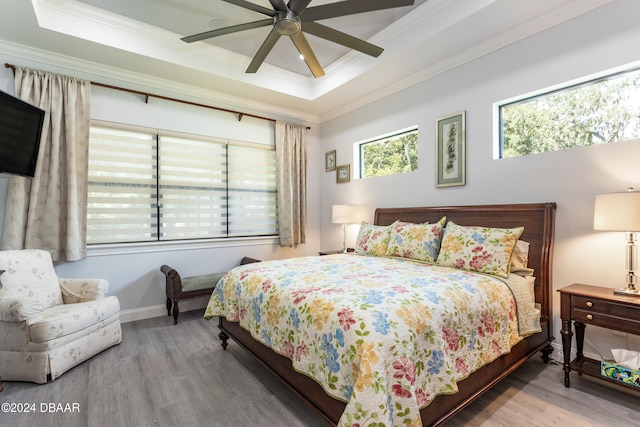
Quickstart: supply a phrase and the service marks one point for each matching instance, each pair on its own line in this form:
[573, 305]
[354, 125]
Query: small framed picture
[343, 173]
[450, 150]
[330, 161]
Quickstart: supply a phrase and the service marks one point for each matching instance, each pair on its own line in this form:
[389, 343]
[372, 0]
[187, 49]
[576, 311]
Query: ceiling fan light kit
[294, 19]
[287, 23]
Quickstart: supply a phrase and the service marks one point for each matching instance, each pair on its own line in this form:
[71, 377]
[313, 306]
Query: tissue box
[609, 369]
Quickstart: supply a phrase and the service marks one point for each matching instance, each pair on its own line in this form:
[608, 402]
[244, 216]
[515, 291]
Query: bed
[416, 387]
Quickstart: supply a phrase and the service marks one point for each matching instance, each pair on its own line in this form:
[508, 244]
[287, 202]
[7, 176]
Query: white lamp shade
[345, 214]
[617, 212]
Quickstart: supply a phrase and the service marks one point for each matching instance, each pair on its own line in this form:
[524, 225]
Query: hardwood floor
[166, 375]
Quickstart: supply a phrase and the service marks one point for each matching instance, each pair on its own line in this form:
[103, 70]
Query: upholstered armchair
[49, 325]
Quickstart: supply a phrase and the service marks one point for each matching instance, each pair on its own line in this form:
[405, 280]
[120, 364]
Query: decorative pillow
[520, 257]
[372, 239]
[481, 249]
[415, 241]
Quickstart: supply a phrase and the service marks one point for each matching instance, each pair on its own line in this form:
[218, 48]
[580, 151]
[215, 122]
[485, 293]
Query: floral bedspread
[384, 335]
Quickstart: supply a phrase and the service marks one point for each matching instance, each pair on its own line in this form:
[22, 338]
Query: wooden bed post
[222, 335]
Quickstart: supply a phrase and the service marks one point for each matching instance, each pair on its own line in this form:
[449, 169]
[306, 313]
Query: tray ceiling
[143, 37]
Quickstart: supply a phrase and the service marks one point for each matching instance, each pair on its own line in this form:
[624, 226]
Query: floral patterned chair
[49, 325]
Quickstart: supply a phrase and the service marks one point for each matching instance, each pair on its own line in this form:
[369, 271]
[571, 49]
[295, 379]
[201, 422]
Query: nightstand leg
[579, 339]
[567, 335]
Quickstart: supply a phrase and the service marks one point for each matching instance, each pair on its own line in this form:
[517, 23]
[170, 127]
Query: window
[595, 112]
[390, 154]
[146, 185]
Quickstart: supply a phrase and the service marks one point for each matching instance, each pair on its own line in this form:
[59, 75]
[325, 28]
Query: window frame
[159, 244]
[582, 82]
[358, 151]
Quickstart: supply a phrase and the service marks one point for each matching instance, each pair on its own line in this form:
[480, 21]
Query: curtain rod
[166, 98]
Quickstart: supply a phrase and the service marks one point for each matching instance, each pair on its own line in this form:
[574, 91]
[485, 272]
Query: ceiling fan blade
[350, 7]
[303, 47]
[298, 6]
[252, 6]
[264, 50]
[342, 38]
[279, 5]
[227, 30]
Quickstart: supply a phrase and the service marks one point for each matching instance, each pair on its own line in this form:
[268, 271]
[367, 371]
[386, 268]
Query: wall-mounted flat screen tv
[20, 132]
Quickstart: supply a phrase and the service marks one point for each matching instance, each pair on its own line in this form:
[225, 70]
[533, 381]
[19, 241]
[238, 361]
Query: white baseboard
[149, 312]
[142, 313]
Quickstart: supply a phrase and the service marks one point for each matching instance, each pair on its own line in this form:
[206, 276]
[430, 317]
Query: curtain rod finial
[13, 67]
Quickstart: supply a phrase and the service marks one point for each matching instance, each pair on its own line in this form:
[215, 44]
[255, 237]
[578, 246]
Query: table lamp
[345, 214]
[621, 212]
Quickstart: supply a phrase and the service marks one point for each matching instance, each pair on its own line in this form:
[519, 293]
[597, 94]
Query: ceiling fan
[294, 18]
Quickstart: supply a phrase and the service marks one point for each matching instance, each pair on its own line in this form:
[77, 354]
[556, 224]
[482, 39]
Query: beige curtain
[291, 153]
[50, 211]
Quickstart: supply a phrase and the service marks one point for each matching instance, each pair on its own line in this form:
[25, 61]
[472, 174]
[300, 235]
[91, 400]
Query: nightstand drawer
[613, 321]
[596, 305]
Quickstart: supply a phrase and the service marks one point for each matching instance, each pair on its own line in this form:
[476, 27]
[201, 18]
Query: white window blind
[193, 192]
[198, 187]
[122, 194]
[253, 203]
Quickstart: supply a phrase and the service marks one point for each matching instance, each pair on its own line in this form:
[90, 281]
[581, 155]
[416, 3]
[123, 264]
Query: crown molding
[510, 36]
[351, 82]
[77, 19]
[115, 76]
[84, 21]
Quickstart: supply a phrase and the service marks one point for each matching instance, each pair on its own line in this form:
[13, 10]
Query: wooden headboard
[537, 219]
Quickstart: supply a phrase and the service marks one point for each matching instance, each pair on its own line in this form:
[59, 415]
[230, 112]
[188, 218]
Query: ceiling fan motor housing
[287, 23]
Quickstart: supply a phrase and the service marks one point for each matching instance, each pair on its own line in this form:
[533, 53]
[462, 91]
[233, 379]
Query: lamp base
[627, 291]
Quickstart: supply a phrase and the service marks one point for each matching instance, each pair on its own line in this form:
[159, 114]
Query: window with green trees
[389, 155]
[595, 112]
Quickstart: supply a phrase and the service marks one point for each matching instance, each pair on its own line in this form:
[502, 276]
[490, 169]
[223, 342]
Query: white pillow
[520, 257]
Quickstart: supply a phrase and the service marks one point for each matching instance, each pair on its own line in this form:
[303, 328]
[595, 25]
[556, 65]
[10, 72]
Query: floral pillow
[415, 241]
[372, 239]
[481, 249]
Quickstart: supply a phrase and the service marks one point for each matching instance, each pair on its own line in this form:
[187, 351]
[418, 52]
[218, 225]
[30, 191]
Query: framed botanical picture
[330, 161]
[450, 150]
[343, 173]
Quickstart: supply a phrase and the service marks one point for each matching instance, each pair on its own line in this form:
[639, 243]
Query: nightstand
[594, 305]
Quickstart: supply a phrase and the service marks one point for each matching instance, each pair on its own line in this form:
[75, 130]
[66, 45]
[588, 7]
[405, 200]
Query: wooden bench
[179, 288]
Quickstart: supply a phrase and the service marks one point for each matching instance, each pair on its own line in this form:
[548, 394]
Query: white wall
[606, 38]
[133, 272]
